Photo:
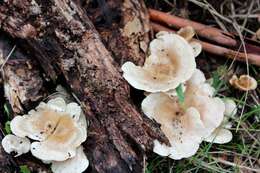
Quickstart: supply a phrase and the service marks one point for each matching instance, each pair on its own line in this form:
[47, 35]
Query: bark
[23, 88]
[123, 26]
[23, 84]
[6, 162]
[63, 36]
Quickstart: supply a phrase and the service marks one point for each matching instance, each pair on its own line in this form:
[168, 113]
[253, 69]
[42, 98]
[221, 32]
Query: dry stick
[208, 32]
[215, 49]
[235, 165]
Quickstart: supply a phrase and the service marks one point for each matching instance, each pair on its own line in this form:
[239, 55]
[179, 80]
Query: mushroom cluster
[200, 117]
[56, 130]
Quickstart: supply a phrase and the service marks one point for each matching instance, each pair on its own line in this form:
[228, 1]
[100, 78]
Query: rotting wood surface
[63, 39]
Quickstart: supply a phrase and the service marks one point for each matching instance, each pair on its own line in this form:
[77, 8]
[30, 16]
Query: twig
[212, 10]
[242, 16]
[208, 32]
[211, 33]
[7, 58]
[215, 49]
[235, 165]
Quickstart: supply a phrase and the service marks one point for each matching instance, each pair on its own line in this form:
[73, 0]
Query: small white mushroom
[170, 63]
[183, 128]
[244, 82]
[77, 164]
[15, 145]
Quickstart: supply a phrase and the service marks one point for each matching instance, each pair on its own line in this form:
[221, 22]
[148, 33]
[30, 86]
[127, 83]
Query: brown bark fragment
[64, 36]
[123, 26]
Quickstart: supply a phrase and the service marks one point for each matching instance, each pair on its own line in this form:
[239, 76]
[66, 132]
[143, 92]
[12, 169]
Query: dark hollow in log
[22, 80]
[62, 36]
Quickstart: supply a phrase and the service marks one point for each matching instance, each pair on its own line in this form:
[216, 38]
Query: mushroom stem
[215, 49]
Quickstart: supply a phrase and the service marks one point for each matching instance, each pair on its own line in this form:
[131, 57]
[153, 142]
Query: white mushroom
[15, 145]
[37, 125]
[183, 128]
[221, 134]
[170, 63]
[77, 164]
[197, 48]
[185, 124]
[244, 82]
[187, 33]
[59, 127]
[199, 94]
[62, 143]
[230, 107]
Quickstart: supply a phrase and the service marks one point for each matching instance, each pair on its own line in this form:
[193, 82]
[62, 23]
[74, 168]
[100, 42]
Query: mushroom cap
[187, 33]
[37, 125]
[170, 63]
[59, 127]
[77, 164]
[199, 95]
[197, 48]
[219, 136]
[62, 143]
[183, 128]
[40, 123]
[244, 82]
[230, 107]
[15, 144]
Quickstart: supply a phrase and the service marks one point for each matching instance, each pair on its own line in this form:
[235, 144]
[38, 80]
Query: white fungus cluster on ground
[201, 116]
[56, 130]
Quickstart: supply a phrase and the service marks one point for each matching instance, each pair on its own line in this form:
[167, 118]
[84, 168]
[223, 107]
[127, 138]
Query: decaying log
[65, 38]
[123, 26]
[23, 88]
[23, 84]
[7, 164]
